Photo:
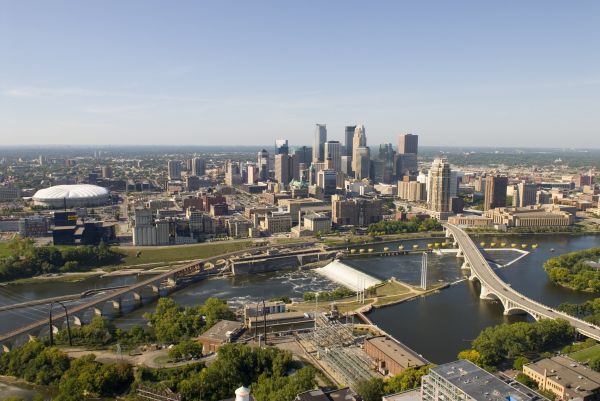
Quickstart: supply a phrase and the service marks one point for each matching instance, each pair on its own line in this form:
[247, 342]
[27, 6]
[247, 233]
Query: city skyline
[452, 73]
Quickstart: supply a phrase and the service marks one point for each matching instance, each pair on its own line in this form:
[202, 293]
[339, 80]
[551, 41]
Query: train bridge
[493, 288]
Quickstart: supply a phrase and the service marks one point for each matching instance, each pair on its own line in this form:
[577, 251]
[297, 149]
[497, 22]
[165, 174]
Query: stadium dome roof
[79, 191]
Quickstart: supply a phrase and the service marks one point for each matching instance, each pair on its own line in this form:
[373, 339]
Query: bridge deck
[494, 285]
[175, 273]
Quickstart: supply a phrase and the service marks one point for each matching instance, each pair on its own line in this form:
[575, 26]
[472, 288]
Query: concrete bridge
[493, 288]
[160, 284]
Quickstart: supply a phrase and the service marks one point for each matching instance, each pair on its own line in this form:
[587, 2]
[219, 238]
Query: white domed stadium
[80, 195]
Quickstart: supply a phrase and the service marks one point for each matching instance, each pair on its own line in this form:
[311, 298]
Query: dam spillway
[347, 276]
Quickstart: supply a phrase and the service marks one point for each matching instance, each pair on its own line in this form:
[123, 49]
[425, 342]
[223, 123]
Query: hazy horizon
[462, 73]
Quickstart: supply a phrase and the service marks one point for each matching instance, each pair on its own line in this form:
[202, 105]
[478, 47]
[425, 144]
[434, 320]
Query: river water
[440, 326]
[437, 326]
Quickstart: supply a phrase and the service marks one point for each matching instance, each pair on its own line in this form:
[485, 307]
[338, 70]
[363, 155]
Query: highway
[510, 298]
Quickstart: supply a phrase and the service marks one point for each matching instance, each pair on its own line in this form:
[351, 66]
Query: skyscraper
[198, 166]
[286, 168]
[281, 147]
[358, 140]
[348, 138]
[362, 162]
[525, 194]
[263, 165]
[174, 167]
[439, 186]
[319, 143]
[333, 151]
[408, 143]
[495, 192]
[304, 154]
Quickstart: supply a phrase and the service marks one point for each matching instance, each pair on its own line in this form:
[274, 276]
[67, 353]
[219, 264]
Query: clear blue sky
[500, 73]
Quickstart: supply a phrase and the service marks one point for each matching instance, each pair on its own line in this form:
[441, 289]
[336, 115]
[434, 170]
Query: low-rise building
[531, 216]
[356, 211]
[565, 378]
[259, 309]
[470, 221]
[223, 332]
[9, 193]
[277, 222]
[285, 321]
[391, 356]
[317, 222]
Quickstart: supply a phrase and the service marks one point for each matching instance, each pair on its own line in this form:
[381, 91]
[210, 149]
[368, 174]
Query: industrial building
[391, 356]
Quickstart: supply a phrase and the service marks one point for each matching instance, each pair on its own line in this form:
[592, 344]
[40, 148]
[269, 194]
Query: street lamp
[50, 322]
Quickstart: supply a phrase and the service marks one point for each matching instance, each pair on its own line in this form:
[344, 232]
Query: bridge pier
[116, 304]
[31, 337]
[77, 321]
[466, 265]
[97, 311]
[137, 297]
[460, 253]
[171, 282]
[155, 289]
[5, 348]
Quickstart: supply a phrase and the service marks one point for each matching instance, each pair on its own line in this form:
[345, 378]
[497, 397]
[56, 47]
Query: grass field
[586, 354]
[179, 253]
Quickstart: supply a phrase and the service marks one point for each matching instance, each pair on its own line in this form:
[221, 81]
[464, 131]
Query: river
[440, 326]
[437, 326]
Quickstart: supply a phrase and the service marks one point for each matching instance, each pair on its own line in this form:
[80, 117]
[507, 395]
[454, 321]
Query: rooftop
[577, 378]
[220, 330]
[395, 351]
[477, 383]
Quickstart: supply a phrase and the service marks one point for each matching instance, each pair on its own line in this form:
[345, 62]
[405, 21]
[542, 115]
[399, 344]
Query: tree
[471, 355]
[519, 362]
[407, 380]
[370, 390]
[186, 349]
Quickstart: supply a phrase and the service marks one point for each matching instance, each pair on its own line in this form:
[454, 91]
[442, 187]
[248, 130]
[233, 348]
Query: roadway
[494, 285]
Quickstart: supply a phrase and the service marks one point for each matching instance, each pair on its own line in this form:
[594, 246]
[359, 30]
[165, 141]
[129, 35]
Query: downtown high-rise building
[439, 188]
[361, 162]
[525, 194]
[263, 165]
[333, 155]
[406, 159]
[198, 167]
[281, 147]
[495, 192]
[304, 154]
[174, 169]
[286, 168]
[359, 140]
[408, 143]
[348, 139]
[319, 143]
